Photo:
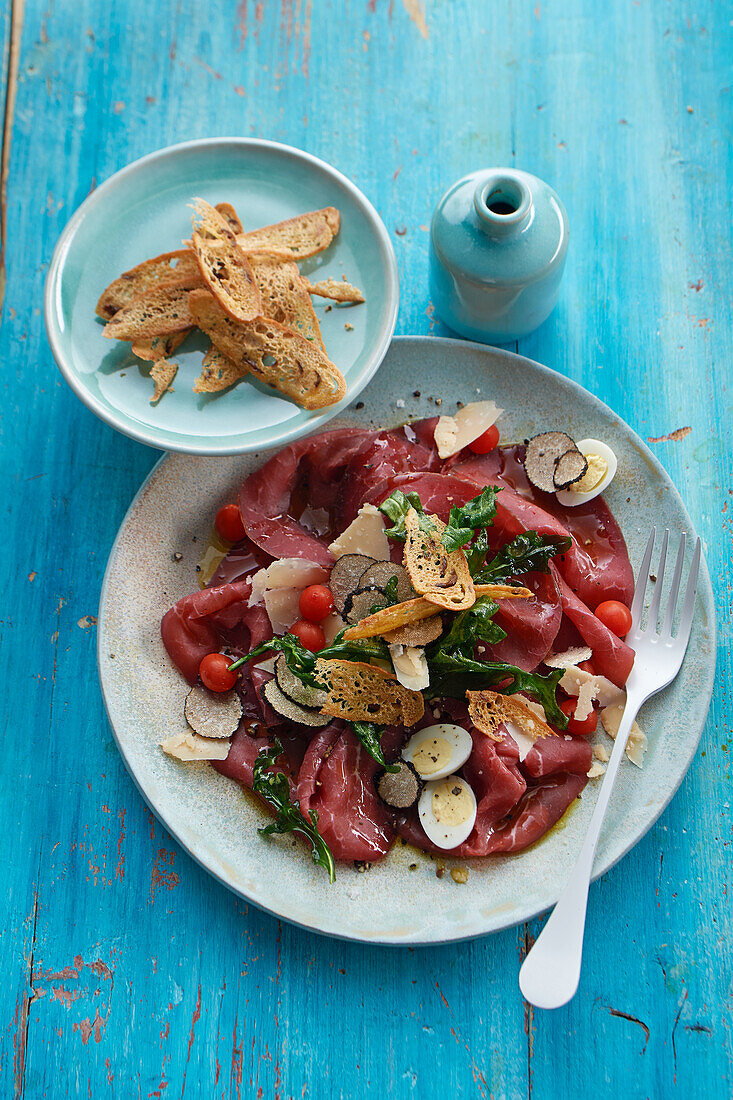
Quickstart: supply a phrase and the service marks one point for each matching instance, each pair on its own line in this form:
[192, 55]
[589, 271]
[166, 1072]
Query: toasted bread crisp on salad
[488, 710]
[442, 577]
[255, 280]
[361, 692]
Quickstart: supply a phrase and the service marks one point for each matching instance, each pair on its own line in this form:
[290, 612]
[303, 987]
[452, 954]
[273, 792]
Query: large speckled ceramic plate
[144, 210]
[210, 816]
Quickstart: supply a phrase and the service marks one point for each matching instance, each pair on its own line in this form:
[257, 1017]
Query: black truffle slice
[570, 467]
[400, 789]
[212, 713]
[304, 716]
[359, 604]
[381, 573]
[543, 452]
[295, 689]
[345, 577]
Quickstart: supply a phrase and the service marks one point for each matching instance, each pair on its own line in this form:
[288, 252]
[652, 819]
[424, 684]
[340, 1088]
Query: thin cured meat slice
[264, 503]
[550, 755]
[531, 624]
[611, 656]
[492, 772]
[189, 630]
[336, 779]
[537, 811]
[242, 755]
[438, 492]
[387, 455]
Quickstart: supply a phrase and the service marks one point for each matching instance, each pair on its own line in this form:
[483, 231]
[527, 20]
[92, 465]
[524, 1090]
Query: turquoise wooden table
[126, 970]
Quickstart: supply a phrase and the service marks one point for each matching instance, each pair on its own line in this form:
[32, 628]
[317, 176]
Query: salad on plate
[412, 633]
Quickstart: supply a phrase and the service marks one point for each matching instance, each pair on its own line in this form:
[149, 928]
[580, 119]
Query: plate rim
[531, 911]
[121, 421]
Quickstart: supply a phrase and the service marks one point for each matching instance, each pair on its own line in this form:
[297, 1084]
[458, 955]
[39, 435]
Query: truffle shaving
[400, 789]
[570, 467]
[543, 452]
[211, 713]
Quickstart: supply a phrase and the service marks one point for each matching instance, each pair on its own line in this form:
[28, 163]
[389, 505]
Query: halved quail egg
[447, 810]
[602, 464]
[436, 751]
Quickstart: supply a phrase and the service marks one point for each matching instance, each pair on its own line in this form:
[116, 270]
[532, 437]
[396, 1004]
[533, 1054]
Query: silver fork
[550, 974]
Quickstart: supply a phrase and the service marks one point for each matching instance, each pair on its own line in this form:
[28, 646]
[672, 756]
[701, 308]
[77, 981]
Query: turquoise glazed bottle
[498, 242]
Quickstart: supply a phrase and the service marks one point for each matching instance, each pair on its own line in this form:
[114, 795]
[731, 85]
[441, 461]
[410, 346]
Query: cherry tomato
[215, 674]
[229, 524]
[616, 616]
[588, 666]
[310, 635]
[316, 602]
[485, 442]
[575, 725]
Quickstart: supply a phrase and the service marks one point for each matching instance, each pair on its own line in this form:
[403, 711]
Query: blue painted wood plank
[128, 971]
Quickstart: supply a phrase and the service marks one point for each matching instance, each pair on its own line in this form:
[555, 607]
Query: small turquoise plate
[143, 210]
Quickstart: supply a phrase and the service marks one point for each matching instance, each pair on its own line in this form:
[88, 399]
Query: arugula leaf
[527, 553]
[469, 627]
[479, 512]
[302, 662]
[396, 507]
[371, 738]
[274, 788]
[476, 551]
[454, 673]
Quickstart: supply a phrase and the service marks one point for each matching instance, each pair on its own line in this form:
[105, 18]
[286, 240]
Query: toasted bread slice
[296, 238]
[361, 692]
[230, 216]
[285, 295]
[158, 312]
[488, 709]
[218, 373]
[272, 353]
[159, 347]
[177, 267]
[223, 264]
[335, 290]
[163, 372]
[442, 577]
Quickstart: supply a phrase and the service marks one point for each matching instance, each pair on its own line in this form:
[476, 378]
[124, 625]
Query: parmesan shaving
[596, 769]
[453, 433]
[364, 536]
[636, 745]
[410, 666]
[570, 657]
[189, 746]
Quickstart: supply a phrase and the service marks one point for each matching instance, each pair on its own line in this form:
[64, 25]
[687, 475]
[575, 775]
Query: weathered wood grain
[127, 971]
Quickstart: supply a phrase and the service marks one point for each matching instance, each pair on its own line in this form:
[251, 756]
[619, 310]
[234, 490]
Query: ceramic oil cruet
[498, 242]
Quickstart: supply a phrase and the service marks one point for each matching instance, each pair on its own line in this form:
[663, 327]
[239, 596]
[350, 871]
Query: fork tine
[688, 607]
[658, 585]
[642, 579]
[675, 589]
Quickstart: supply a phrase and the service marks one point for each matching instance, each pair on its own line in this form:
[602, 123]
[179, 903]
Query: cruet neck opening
[503, 204]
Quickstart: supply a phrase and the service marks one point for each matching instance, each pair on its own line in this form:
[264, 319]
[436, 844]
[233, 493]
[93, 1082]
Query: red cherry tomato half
[316, 602]
[310, 635]
[616, 616]
[575, 725]
[229, 524]
[485, 442]
[215, 674]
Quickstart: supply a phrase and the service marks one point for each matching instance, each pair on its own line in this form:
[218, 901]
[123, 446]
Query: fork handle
[550, 974]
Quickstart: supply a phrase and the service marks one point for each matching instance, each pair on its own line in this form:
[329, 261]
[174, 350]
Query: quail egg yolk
[451, 803]
[432, 755]
[595, 473]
